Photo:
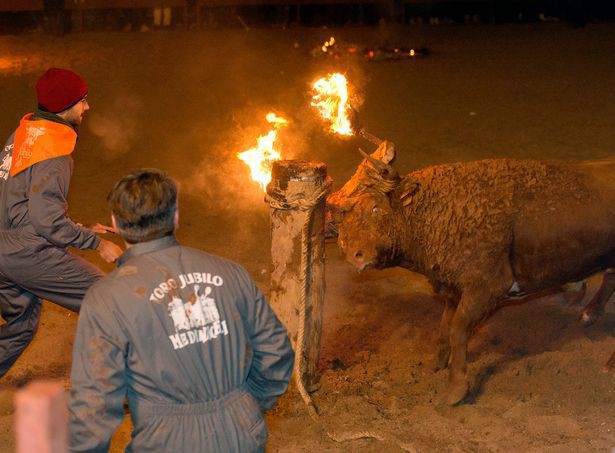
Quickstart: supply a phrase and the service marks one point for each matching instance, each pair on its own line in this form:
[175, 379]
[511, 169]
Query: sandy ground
[188, 101]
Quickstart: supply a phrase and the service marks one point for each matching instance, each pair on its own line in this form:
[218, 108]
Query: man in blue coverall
[185, 335]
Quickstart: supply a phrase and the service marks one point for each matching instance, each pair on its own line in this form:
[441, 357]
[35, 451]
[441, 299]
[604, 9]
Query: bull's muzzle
[358, 258]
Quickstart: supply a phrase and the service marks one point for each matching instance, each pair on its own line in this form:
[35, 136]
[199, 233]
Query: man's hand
[109, 251]
[101, 229]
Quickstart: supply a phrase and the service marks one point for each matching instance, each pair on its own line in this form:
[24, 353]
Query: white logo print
[208, 304]
[178, 313]
[25, 151]
[5, 168]
[196, 320]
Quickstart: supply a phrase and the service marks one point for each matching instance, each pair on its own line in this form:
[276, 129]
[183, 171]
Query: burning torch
[331, 99]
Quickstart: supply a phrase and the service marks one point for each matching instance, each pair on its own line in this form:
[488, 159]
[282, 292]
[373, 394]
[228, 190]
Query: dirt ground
[187, 102]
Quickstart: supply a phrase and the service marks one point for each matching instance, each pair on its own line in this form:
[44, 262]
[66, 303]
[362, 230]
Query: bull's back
[564, 226]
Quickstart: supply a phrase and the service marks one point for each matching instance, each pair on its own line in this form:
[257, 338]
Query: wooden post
[297, 196]
[41, 418]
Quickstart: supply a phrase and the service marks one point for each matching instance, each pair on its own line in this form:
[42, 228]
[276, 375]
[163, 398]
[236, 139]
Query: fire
[328, 44]
[331, 100]
[260, 158]
[276, 120]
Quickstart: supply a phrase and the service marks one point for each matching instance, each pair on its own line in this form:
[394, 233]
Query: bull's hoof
[456, 393]
[588, 317]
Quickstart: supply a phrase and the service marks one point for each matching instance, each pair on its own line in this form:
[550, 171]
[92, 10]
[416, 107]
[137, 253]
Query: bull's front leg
[475, 305]
[443, 352]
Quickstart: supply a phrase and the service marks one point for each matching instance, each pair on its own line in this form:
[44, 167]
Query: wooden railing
[81, 5]
[21, 5]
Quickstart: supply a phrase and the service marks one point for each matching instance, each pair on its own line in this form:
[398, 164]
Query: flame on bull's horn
[331, 100]
[260, 158]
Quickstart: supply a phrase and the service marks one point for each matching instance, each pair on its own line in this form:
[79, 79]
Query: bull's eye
[375, 209]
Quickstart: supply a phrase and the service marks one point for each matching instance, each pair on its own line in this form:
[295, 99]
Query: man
[35, 172]
[185, 335]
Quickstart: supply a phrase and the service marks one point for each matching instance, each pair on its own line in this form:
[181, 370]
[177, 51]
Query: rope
[277, 201]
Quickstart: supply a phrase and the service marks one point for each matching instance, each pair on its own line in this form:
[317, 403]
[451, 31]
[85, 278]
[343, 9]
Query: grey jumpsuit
[191, 342]
[34, 262]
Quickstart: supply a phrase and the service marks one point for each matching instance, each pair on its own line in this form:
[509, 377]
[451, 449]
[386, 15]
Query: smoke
[116, 126]
[220, 179]
[221, 183]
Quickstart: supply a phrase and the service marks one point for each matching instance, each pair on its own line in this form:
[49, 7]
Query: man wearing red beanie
[35, 171]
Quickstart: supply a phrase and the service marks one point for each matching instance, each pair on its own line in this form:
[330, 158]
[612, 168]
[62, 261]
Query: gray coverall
[192, 343]
[34, 262]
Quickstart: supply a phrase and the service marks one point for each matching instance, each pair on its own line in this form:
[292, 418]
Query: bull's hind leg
[573, 293]
[610, 365]
[478, 300]
[595, 307]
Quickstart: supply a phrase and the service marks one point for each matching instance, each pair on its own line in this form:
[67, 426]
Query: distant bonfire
[335, 49]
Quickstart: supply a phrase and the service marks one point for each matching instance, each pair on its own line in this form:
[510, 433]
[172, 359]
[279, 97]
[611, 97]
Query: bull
[484, 233]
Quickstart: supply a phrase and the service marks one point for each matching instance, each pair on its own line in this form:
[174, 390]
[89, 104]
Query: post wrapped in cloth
[297, 196]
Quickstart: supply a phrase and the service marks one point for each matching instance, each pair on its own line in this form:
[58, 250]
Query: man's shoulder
[105, 284]
[110, 292]
[209, 258]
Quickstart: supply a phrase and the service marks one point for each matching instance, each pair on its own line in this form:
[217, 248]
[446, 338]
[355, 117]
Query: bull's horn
[385, 170]
[375, 162]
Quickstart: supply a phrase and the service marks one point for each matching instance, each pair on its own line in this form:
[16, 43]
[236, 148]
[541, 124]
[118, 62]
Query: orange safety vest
[39, 140]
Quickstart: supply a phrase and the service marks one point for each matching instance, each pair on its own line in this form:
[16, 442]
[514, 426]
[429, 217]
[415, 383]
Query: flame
[276, 120]
[260, 158]
[331, 100]
[328, 44]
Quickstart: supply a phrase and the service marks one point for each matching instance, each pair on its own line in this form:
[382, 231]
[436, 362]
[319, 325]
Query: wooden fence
[21, 5]
[78, 7]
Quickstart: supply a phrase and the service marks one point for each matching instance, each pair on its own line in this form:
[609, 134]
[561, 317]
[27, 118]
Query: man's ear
[176, 218]
[114, 224]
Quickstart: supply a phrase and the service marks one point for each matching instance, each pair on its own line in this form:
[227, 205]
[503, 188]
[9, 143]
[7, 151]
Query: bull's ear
[337, 202]
[407, 192]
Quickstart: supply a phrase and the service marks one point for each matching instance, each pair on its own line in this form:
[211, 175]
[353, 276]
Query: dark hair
[143, 204]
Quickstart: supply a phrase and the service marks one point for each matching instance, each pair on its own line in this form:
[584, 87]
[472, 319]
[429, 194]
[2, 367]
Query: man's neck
[44, 115]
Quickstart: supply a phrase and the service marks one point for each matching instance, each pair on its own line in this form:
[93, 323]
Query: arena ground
[187, 102]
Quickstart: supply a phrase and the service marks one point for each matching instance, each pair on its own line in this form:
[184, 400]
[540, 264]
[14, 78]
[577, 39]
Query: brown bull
[482, 232]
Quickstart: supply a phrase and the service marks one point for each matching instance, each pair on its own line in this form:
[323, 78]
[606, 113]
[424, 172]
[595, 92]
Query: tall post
[297, 196]
[41, 418]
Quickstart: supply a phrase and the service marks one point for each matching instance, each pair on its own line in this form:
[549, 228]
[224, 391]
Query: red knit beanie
[59, 89]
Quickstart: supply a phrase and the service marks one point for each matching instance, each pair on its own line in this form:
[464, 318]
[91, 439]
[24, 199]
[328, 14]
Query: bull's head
[362, 212]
